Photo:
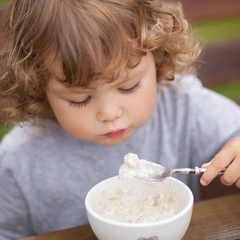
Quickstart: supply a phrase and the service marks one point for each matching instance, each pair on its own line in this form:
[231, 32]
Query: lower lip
[115, 134]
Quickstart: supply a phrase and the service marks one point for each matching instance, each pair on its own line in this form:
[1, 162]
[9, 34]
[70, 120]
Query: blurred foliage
[231, 91]
[218, 31]
[3, 131]
[4, 1]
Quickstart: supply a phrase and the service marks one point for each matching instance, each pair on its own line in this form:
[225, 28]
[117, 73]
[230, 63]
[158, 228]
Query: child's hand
[229, 157]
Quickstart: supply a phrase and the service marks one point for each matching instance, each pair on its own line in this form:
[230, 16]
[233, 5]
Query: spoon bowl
[150, 171]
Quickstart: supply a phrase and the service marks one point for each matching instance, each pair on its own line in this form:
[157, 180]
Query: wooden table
[217, 218]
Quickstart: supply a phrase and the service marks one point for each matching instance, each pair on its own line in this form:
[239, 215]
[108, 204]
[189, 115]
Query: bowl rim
[188, 207]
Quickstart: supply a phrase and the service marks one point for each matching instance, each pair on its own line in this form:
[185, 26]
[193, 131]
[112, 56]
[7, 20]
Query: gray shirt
[45, 173]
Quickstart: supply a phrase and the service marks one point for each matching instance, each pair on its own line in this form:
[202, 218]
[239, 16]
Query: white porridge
[129, 205]
[135, 167]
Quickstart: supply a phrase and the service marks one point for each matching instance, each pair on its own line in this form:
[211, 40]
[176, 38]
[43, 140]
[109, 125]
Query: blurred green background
[4, 1]
[211, 32]
[217, 32]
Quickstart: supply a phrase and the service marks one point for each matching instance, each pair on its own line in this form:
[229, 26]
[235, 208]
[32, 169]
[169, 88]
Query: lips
[115, 134]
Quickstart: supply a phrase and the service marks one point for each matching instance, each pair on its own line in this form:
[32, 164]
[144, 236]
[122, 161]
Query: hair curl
[93, 39]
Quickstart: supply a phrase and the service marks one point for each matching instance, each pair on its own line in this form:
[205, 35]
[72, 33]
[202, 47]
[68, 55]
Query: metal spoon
[157, 172]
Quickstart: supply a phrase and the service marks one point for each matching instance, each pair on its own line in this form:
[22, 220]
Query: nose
[109, 111]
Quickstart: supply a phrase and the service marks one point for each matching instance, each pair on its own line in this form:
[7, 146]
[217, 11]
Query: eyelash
[80, 104]
[87, 100]
[130, 90]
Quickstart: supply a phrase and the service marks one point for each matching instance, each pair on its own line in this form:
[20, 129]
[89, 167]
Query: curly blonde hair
[93, 39]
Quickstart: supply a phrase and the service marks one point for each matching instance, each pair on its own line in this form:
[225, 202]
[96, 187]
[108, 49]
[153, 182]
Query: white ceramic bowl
[172, 228]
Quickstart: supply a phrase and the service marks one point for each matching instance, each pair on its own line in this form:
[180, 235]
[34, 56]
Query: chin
[111, 142]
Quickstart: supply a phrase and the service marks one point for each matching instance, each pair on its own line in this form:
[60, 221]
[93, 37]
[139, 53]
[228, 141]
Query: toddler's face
[106, 113]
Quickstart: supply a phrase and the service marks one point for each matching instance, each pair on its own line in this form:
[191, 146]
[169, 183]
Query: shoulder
[28, 134]
[25, 143]
[179, 97]
[180, 87]
[188, 92]
[187, 101]
[15, 138]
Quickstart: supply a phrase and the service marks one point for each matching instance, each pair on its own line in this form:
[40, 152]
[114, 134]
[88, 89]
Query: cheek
[148, 102]
[77, 125]
[75, 121]
[144, 105]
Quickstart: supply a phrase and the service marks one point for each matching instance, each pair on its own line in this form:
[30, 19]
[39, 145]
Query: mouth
[115, 134]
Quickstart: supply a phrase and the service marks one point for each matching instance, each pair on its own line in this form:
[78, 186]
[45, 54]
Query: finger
[206, 165]
[237, 183]
[217, 164]
[232, 173]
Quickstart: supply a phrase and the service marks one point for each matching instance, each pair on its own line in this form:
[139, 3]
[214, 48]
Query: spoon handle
[198, 171]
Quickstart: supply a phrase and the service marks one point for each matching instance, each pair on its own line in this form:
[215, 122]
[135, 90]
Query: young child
[86, 82]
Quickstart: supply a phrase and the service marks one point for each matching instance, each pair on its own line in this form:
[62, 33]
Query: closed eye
[80, 104]
[130, 90]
